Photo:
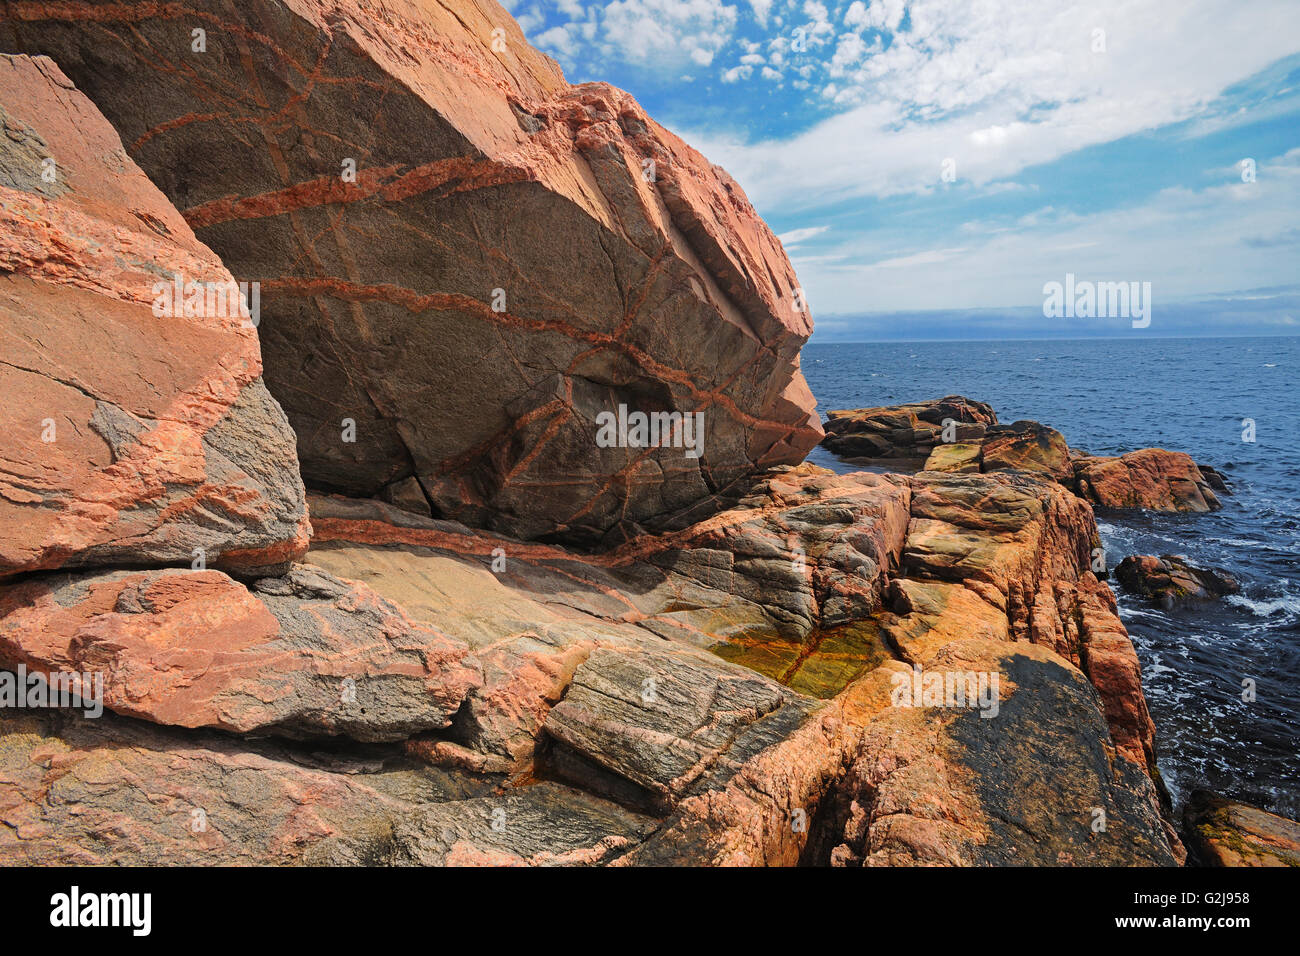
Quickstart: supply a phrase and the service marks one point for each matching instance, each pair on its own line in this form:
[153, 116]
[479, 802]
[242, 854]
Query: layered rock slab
[1223, 832]
[604, 732]
[549, 252]
[117, 791]
[134, 437]
[1021, 590]
[305, 654]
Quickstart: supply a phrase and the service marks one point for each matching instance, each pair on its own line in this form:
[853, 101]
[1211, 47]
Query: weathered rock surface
[906, 431]
[1222, 832]
[960, 457]
[775, 584]
[302, 654]
[1150, 478]
[936, 786]
[1027, 446]
[1021, 580]
[597, 672]
[131, 438]
[1169, 580]
[648, 725]
[117, 791]
[548, 251]
[1007, 556]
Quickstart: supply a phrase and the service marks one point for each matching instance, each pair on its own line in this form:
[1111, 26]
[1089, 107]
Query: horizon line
[1051, 338]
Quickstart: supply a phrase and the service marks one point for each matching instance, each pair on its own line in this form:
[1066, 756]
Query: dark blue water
[1115, 395]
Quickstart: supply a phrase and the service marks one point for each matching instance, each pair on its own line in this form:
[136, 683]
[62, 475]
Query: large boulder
[305, 654]
[135, 433]
[463, 260]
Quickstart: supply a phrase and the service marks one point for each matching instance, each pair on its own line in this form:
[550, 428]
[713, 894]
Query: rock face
[549, 253]
[1169, 580]
[1222, 832]
[131, 437]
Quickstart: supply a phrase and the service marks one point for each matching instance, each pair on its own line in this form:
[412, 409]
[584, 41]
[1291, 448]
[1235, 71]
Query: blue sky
[1102, 139]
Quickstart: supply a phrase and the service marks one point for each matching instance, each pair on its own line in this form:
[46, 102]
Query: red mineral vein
[465, 172]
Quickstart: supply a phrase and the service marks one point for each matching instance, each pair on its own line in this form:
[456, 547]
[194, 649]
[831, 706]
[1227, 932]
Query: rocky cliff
[463, 260]
[762, 662]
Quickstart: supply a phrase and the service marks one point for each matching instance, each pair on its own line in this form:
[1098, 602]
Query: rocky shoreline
[471, 634]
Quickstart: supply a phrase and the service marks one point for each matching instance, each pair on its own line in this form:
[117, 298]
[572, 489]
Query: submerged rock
[1170, 580]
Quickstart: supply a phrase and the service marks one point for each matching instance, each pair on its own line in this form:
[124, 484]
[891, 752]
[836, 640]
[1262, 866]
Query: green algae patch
[821, 666]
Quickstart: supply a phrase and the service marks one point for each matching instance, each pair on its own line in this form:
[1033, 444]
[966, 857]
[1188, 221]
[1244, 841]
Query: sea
[1204, 396]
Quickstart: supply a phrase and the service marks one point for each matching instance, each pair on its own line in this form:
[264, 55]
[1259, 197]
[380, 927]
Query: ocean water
[1110, 396]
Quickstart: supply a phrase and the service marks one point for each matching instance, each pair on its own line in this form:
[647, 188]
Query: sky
[931, 165]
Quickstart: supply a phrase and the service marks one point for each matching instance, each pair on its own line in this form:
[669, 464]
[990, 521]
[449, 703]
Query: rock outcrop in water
[1222, 832]
[792, 667]
[956, 434]
[463, 260]
[1169, 580]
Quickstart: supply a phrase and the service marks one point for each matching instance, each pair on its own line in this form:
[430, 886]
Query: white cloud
[799, 235]
[530, 20]
[1186, 242]
[761, 9]
[1000, 88]
[663, 35]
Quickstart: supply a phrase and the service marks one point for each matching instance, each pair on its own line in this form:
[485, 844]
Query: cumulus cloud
[1000, 88]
